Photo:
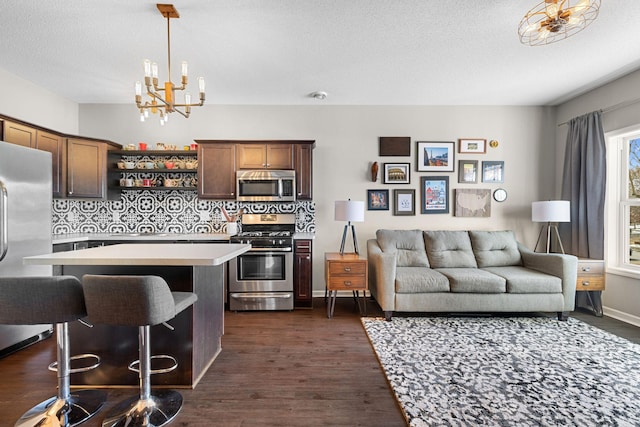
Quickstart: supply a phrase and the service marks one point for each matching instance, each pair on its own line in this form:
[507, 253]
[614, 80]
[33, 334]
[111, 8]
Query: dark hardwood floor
[276, 369]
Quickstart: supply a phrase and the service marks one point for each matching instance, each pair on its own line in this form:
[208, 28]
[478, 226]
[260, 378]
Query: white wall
[622, 295]
[347, 143]
[23, 100]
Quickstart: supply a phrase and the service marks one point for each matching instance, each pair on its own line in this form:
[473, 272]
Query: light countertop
[173, 254]
[171, 237]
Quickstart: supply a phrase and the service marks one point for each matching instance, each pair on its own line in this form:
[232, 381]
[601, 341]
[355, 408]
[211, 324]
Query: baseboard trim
[622, 316]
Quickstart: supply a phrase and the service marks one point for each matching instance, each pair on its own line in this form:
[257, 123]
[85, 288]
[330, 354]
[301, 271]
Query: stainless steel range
[262, 278]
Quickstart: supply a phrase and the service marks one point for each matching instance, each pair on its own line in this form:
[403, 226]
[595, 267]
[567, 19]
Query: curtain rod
[609, 109]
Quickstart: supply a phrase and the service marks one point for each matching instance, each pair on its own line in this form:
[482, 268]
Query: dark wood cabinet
[302, 274]
[216, 170]
[19, 134]
[86, 169]
[265, 156]
[303, 162]
[54, 144]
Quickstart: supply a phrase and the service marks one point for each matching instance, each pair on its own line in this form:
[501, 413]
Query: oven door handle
[281, 295]
[285, 249]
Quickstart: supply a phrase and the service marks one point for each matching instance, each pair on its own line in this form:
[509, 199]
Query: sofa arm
[560, 265]
[382, 275]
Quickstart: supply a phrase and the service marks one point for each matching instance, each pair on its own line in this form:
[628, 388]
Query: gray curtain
[583, 184]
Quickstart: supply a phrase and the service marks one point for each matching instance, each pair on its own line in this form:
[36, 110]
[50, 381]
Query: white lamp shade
[551, 211]
[349, 210]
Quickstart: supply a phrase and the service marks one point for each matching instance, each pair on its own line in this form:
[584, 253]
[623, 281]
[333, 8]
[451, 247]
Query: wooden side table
[591, 280]
[345, 272]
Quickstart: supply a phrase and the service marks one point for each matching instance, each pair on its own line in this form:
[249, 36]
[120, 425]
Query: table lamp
[350, 211]
[551, 212]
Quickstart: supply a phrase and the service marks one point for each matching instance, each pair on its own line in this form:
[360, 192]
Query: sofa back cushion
[495, 248]
[449, 249]
[408, 246]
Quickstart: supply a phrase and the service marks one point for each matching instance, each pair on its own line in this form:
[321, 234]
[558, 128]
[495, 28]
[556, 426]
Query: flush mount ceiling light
[164, 105]
[554, 20]
[320, 95]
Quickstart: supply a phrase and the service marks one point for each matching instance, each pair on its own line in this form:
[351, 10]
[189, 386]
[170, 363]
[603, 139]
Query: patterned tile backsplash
[174, 211]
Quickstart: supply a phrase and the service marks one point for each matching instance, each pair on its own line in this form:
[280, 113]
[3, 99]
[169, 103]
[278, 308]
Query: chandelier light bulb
[147, 68]
[142, 117]
[146, 113]
[138, 89]
[187, 98]
[201, 84]
[185, 68]
[154, 70]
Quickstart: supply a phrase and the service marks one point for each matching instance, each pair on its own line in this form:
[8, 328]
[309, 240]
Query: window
[623, 200]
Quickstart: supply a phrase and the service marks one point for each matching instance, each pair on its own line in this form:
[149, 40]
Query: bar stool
[141, 301]
[58, 300]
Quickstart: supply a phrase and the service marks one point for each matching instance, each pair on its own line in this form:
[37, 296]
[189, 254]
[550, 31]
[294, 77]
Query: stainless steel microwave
[265, 185]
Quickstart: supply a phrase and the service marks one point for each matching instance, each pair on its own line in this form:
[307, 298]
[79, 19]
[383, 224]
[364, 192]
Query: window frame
[617, 205]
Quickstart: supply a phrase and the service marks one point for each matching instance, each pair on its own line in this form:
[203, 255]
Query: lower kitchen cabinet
[302, 274]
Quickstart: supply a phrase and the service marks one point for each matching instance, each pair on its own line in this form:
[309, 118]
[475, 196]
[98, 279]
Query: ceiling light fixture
[554, 20]
[320, 95]
[165, 104]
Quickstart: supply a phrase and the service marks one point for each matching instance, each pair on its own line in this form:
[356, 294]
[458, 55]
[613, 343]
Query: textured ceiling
[270, 52]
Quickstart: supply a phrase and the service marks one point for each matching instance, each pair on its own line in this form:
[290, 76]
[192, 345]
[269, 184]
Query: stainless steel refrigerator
[25, 227]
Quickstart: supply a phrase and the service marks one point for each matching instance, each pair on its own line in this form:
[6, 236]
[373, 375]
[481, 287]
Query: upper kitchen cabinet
[303, 162]
[265, 156]
[216, 170]
[55, 144]
[87, 168]
[19, 134]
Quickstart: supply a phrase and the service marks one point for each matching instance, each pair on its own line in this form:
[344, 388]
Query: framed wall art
[378, 200]
[404, 202]
[493, 171]
[472, 146]
[434, 194]
[435, 156]
[468, 171]
[473, 203]
[396, 173]
[394, 145]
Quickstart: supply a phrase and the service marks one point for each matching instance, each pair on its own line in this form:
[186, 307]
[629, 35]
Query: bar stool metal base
[158, 410]
[79, 407]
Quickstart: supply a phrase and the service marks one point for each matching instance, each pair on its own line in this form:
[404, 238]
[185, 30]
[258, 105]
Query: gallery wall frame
[394, 146]
[468, 171]
[404, 202]
[472, 145]
[378, 200]
[493, 171]
[432, 156]
[474, 203]
[396, 173]
[434, 194]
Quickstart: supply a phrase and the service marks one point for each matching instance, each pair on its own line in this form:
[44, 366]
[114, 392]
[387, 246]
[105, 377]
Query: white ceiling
[270, 52]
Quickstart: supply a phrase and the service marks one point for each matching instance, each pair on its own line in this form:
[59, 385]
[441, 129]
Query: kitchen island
[195, 341]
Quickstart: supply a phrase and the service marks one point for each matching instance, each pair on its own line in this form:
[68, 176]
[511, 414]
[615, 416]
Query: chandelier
[554, 20]
[164, 105]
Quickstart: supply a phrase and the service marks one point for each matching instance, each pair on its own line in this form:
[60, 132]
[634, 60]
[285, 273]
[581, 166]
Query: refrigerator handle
[4, 221]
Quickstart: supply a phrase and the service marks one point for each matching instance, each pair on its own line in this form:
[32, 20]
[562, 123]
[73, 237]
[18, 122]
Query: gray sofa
[467, 271]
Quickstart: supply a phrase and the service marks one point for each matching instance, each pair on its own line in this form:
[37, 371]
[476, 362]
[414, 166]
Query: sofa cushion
[411, 280]
[474, 280]
[495, 248]
[449, 249]
[407, 244]
[522, 280]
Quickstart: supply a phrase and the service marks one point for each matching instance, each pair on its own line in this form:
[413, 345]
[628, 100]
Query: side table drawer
[336, 268]
[590, 268]
[346, 282]
[590, 283]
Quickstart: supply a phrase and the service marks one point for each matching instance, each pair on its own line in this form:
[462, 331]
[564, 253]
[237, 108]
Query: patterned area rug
[508, 371]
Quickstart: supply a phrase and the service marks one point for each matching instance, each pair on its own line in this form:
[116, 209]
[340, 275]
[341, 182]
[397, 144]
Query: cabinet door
[216, 171]
[86, 169]
[19, 134]
[251, 156]
[54, 144]
[302, 285]
[279, 156]
[304, 172]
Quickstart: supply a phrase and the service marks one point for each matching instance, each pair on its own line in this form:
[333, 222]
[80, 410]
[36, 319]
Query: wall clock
[500, 195]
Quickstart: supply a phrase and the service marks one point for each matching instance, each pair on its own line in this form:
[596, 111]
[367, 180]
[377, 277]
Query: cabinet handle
[585, 283]
[347, 282]
[347, 269]
[586, 269]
